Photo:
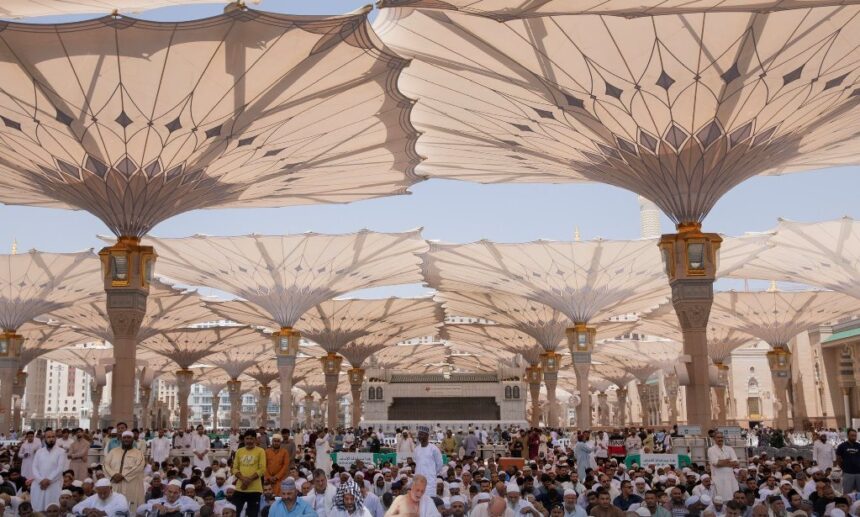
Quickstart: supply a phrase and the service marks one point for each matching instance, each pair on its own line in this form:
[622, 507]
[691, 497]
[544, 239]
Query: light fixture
[287, 341]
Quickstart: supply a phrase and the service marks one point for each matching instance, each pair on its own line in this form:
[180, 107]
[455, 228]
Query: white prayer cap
[691, 501]
[718, 500]
[643, 512]
[78, 484]
[458, 499]
[220, 474]
[569, 491]
[705, 476]
[66, 492]
[836, 512]
[175, 482]
[228, 506]
[639, 480]
[87, 480]
[483, 496]
[127, 433]
[103, 482]
[705, 499]
[513, 488]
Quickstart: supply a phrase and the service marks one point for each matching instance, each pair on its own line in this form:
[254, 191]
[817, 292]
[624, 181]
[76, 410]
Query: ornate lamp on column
[286, 342]
[550, 363]
[580, 340]
[779, 360]
[533, 376]
[690, 257]
[10, 354]
[331, 367]
[127, 269]
[356, 381]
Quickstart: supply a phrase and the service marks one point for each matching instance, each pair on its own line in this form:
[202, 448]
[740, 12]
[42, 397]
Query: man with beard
[277, 464]
[173, 502]
[47, 481]
[124, 467]
[160, 448]
[64, 441]
[79, 450]
[458, 506]
[27, 451]
[289, 504]
[104, 502]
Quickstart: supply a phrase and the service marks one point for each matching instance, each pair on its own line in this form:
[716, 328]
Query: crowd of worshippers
[277, 475]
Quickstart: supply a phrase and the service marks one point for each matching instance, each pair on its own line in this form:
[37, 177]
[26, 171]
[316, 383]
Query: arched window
[371, 393]
[516, 392]
[752, 386]
[379, 393]
[509, 393]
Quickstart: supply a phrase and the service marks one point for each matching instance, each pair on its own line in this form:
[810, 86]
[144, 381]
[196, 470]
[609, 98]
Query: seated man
[172, 502]
[104, 502]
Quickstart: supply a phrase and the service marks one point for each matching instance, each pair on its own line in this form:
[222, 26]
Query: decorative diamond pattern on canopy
[136, 121]
[703, 96]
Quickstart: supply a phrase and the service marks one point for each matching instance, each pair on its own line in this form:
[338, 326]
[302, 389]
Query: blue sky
[456, 211]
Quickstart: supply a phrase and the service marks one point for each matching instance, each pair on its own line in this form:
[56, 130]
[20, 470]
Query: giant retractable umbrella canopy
[824, 254]
[676, 101]
[189, 347]
[776, 317]
[32, 284]
[137, 121]
[589, 282]
[279, 278]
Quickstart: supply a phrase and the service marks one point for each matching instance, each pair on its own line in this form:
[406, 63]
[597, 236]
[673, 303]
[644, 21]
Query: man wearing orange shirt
[277, 463]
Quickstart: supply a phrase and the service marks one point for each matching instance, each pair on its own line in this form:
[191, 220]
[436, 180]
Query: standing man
[159, 447]
[65, 442]
[78, 454]
[200, 449]
[428, 458]
[26, 452]
[249, 467]
[49, 463]
[321, 497]
[823, 453]
[582, 452]
[848, 459]
[116, 437]
[277, 464]
[723, 461]
[124, 467]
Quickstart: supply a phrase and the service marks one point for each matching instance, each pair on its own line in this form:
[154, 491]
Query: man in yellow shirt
[249, 467]
[449, 444]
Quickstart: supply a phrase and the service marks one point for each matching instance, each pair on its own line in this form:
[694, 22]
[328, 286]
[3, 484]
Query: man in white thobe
[200, 449]
[428, 458]
[27, 452]
[823, 453]
[582, 452]
[104, 500]
[65, 442]
[159, 447]
[48, 465]
[723, 461]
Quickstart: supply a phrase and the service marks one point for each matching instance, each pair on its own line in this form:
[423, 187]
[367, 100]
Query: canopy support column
[331, 367]
[780, 370]
[96, 391]
[671, 383]
[234, 389]
[10, 353]
[580, 341]
[265, 392]
[533, 375]
[184, 378]
[145, 398]
[309, 403]
[127, 270]
[603, 407]
[622, 406]
[356, 382]
[216, 405]
[18, 394]
[690, 259]
[287, 343]
[550, 362]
